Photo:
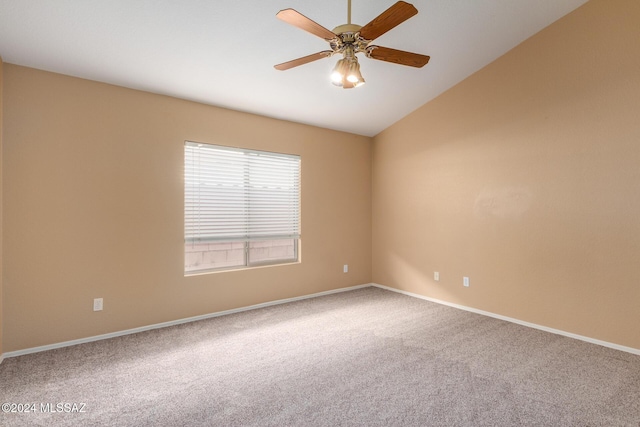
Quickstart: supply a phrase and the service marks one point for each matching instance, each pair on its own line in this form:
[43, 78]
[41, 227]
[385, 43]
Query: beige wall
[526, 178]
[1, 184]
[93, 196]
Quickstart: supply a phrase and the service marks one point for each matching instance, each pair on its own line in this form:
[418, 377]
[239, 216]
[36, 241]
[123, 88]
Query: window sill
[241, 268]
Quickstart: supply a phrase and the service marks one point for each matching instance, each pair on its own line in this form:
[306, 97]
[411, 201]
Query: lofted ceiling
[223, 53]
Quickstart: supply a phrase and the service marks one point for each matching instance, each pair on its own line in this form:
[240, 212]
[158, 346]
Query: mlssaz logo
[63, 407]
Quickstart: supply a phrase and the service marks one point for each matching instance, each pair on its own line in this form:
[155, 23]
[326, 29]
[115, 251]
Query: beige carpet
[368, 357]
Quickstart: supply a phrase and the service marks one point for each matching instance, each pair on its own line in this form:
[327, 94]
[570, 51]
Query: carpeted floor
[367, 357]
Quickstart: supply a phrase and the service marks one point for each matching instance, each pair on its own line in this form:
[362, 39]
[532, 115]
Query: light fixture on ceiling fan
[349, 39]
[346, 73]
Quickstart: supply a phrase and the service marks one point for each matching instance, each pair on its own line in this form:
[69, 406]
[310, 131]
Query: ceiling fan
[349, 39]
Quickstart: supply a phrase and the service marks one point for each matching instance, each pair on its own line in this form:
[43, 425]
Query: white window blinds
[240, 195]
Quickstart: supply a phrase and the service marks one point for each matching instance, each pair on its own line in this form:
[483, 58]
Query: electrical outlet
[465, 281]
[436, 276]
[345, 268]
[97, 304]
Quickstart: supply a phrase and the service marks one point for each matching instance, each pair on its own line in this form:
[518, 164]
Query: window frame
[253, 194]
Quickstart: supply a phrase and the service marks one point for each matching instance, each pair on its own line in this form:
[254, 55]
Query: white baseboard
[319, 294]
[517, 321]
[172, 323]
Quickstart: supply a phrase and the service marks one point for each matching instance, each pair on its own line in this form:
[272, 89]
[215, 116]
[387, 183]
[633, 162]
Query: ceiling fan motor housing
[348, 36]
[347, 28]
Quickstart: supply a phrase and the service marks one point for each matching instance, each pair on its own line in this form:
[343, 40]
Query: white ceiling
[222, 53]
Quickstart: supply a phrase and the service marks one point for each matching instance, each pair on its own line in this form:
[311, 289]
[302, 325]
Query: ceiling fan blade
[397, 56]
[303, 60]
[295, 18]
[390, 18]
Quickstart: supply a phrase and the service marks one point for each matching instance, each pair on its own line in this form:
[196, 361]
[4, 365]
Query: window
[241, 207]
